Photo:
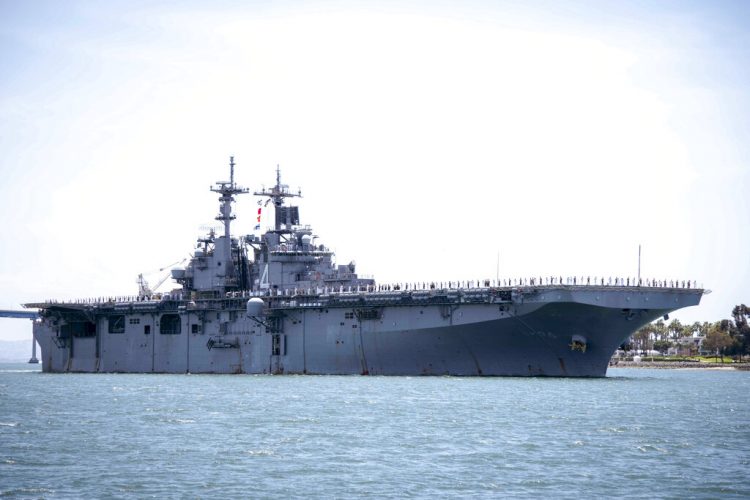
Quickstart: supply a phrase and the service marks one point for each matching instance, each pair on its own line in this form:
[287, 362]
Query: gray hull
[276, 302]
[564, 331]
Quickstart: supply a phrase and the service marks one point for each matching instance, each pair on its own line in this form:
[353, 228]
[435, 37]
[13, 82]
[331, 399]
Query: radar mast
[227, 191]
[277, 195]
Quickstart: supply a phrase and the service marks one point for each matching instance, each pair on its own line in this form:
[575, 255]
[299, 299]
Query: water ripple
[640, 433]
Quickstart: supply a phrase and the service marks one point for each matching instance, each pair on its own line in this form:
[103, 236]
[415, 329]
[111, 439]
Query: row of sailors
[484, 284]
[478, 284]
[118, 299]
[540, 281]
[441, 285]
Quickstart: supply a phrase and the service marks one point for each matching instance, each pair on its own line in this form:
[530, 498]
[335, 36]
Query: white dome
[255, 307]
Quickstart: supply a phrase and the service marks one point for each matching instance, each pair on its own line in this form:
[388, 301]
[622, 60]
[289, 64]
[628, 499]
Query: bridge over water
[28, 314]
[9, 313]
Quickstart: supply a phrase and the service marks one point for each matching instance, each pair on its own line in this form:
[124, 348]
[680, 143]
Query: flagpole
[497, 269]
[639, 263]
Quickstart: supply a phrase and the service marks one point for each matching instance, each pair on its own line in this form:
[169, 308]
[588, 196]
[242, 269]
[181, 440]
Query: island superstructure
[278, 303]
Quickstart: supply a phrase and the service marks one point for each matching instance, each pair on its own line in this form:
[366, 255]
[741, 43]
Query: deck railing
[398, 288]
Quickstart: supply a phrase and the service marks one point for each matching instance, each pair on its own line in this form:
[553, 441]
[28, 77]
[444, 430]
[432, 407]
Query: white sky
[427, 137]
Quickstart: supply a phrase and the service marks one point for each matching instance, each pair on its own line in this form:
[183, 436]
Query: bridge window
[116, 323]
[170, 324]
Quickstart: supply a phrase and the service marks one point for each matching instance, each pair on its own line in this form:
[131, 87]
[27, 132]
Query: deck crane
[144, 289]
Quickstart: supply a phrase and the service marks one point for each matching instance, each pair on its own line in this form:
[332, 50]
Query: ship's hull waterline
[561, 331]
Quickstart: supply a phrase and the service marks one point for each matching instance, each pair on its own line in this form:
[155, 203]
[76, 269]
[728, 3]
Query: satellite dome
[255, 307]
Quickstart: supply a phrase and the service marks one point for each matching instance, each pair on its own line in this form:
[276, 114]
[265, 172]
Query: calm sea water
[637, 433]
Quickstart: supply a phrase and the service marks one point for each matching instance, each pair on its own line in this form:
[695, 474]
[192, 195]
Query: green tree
[662, 345]
[675, 330]
[740, 331]
[718, 338]
[642, 338]
[701, 329]
[659, 330]
[639, 337]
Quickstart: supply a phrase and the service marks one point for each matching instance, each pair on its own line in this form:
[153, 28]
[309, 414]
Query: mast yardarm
[227, 191]
[277, 195]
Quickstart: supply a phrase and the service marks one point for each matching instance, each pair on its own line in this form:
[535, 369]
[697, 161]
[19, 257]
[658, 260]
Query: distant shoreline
[680, 365]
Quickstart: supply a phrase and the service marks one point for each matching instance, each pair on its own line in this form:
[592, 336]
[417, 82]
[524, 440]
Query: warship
[276, 302]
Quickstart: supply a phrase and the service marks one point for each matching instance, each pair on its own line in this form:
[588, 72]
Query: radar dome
[255, 307]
